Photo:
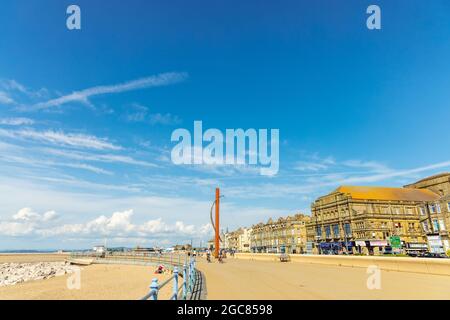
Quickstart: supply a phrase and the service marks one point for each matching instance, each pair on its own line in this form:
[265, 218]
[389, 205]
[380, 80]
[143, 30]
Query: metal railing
[173, 262]
[186, 288]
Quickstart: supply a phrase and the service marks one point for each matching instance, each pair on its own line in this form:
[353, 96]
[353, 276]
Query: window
[410, 211]
[442, 225]
[432, 208]
[448, 206]
[328, 231]
[438, 208]
[422, 211]
[319, 231]
[347, 229]
[336, 230]
[435, 225]
[425, 226]
[397, 210]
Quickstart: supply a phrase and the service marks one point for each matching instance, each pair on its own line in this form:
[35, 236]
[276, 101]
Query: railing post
[154, 286]
[175, 283]
[191, 276]
[184, 282]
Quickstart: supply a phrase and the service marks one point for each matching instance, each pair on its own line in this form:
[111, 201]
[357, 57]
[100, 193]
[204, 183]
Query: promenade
[251, 279]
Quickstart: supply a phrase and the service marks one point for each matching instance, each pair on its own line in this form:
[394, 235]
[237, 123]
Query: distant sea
[28, 251]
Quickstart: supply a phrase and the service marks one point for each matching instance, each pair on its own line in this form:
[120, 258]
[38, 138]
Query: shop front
[378, 247]
[415, 249]
[330, 247]
[347, 247]
[435, 244]
[360, 246]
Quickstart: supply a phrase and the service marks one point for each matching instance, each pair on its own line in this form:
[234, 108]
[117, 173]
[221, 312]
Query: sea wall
[401, 264]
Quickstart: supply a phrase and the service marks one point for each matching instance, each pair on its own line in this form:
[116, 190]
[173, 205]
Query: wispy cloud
[111, 158]
[83, 96]
[165, 119]
[30, 161]
[14, 87]
[5, 98]
[16, 121]
[141, 113]
[61, 138]
[371, 165]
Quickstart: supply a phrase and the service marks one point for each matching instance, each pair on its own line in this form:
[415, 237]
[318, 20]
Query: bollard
[175, 284]
[184, 282]
[154, 286]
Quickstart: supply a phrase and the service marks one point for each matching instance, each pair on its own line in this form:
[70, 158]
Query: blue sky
[353, 106]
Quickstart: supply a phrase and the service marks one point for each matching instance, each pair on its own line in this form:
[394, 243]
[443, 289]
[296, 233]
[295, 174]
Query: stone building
[283, 235]
[238, 240]
[245, 240]
[435, 219]
[367, 219]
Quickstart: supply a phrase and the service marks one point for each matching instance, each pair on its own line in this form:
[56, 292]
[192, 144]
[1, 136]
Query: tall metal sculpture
[216, 223]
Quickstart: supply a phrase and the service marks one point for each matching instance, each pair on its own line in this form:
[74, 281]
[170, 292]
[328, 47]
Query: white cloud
[109, 158]
[83, 96]
[61, 138]
[5, 99]
[26, 222]
[27, 214]
[15, 229]
[16, 121]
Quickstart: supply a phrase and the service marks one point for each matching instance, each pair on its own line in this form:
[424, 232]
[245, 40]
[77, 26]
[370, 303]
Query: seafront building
[376, 220]
[358, 220]
[238, 241]
[284, 235]
[436, 220]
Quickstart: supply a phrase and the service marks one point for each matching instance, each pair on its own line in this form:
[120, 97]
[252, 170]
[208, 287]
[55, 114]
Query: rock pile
[13, 273]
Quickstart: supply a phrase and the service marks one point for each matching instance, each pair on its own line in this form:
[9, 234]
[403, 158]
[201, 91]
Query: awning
[378, 243]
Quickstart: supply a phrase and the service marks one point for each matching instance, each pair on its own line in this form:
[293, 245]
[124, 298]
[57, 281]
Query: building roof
[385, 193]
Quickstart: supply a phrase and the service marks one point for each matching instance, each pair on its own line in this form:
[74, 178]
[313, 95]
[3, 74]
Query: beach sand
[102, 282]
[32, 257]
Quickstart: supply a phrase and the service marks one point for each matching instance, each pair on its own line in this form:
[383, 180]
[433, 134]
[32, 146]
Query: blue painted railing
[186, 288]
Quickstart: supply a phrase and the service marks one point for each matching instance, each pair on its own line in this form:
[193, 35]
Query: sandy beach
[102, 282]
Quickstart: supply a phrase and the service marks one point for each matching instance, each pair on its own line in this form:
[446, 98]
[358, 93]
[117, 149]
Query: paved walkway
[246, 279]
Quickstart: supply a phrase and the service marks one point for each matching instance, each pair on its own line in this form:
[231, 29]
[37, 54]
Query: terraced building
[368, 220]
